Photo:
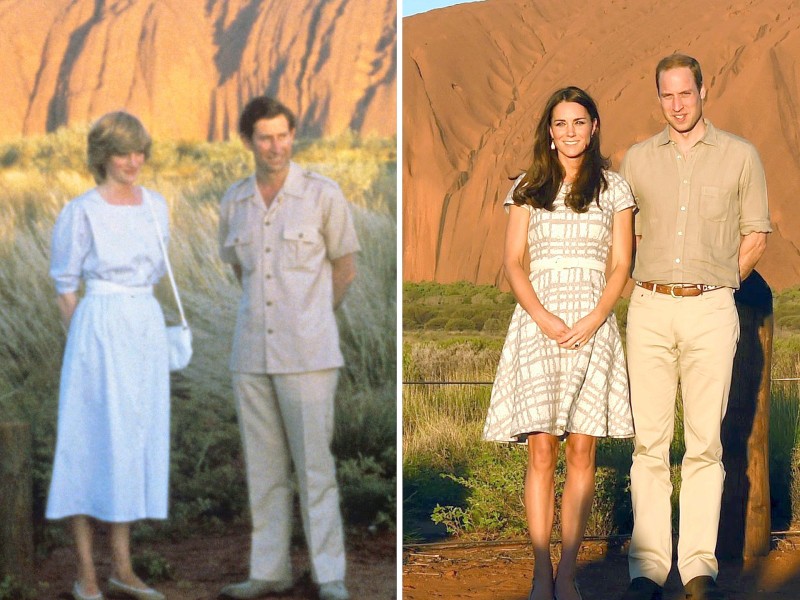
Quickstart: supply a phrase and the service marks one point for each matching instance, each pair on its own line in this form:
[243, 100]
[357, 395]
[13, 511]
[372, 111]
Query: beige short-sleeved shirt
[286, 322]
[693, 210]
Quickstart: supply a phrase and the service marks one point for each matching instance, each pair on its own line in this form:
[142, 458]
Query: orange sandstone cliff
[186, 67]
[476, 76]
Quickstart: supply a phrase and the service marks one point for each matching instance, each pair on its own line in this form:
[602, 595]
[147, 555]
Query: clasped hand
[573, 337]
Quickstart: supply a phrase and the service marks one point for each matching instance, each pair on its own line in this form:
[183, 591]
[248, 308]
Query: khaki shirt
[693, 210]
[285, 322]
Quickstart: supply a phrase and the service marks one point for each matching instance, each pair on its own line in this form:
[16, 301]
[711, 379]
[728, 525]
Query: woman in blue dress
[112, 450]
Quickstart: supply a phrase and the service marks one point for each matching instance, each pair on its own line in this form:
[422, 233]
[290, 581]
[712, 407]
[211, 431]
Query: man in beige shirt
[701, 227]
[289, 236]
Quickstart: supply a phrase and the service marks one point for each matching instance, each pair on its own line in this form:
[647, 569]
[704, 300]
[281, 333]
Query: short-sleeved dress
[539, 386]
[112, 447]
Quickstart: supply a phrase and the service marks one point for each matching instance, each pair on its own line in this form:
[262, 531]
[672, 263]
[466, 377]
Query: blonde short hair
[113, 134]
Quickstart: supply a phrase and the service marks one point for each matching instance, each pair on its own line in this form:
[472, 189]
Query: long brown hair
[543, 179]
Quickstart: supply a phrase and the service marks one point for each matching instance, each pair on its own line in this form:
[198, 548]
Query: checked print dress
[539, 386]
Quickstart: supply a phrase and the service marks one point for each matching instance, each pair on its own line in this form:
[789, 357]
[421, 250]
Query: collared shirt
[693, 209]
[286, 322]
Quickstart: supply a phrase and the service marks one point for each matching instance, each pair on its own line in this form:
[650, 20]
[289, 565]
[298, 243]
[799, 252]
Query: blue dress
[112, 447]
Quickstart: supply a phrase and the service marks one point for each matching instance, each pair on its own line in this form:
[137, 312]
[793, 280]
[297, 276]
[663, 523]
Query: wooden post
[16, 502]
[744, 529]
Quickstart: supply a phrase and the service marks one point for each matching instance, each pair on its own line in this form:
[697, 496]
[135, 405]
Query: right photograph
[601, 300]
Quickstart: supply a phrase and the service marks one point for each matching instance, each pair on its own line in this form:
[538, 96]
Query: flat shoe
[79, 595]
[118, 587]
[333, 590]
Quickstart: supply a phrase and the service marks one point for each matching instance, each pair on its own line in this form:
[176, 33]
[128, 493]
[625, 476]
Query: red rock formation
[186, 67]
[476, 76]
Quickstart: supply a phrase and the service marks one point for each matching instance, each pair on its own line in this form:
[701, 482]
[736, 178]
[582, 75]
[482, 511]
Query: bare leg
[539, 508]
[82, 532]
[576, 504]
[121, 555]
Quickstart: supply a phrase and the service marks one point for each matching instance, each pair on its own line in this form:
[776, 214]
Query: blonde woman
[112, 451]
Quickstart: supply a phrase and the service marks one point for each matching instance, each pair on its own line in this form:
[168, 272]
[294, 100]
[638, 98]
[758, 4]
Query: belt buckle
[672, 287]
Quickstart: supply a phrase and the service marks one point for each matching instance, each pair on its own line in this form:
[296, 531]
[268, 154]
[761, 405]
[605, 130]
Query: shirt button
[267, 250]
[269, 331]
[269, 276]
[683, 208]
[677, 260]
[299, 235]
[269, 302]
[680, 233]
[266, 221]
[685, 181]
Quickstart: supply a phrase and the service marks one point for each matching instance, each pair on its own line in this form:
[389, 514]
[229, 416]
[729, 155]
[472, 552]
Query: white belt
[101, 287]
[567, 262]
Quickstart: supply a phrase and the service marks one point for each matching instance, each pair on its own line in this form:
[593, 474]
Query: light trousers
[689, 340]
[287, 419]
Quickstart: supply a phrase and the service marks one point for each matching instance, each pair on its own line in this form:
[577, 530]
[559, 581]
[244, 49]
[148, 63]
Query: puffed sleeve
[626, 171]
[161, 212]
[621, 195]
[338, 230]
[510, 196]
[70, 244]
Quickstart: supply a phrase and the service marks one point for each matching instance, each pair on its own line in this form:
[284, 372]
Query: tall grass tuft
[39, 175]
[472, 488]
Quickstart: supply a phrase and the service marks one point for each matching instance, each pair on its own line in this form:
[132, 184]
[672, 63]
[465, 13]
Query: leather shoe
[642, 588]
[703, 588]
[333, 590]
[116, 586]
[255, 588]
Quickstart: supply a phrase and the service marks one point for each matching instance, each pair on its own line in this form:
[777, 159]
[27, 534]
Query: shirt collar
[709, 137]
[293, 186]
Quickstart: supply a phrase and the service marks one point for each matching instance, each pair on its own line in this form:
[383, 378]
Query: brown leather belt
[678, 289]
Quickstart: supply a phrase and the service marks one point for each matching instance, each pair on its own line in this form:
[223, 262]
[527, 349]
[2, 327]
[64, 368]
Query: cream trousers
[689, 340]
[287, 419]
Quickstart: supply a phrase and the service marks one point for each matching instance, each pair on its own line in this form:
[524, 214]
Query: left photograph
[198, 271]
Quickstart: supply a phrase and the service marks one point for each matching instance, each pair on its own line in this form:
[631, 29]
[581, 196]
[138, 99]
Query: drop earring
[552, 145]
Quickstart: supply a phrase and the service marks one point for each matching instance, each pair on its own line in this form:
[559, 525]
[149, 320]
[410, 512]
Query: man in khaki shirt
[701, 227]
[289, 236]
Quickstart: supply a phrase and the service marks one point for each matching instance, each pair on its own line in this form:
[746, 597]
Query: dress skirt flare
[112, 451]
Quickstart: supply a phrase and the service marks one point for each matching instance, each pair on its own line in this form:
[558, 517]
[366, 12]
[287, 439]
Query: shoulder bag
[179, 337]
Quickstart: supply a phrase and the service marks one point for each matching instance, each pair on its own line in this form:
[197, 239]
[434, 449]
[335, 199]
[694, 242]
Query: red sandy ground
[503, 572]
[202, 565]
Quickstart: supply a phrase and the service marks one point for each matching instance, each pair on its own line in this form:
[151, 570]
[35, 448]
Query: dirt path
[202, 565]
[503, 572]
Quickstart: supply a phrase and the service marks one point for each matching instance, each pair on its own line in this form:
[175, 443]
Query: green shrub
[436, 323]
[13, 589]
[459, 324]
[151, 566]
[494, 325]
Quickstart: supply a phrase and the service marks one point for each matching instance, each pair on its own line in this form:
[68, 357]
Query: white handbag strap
[149, 202]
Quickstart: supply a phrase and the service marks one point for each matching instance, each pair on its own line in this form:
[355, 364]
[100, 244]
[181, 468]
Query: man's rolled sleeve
[754, 209]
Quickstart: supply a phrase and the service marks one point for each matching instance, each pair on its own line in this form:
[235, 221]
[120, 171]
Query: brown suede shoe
[642, 588]
[703, 588]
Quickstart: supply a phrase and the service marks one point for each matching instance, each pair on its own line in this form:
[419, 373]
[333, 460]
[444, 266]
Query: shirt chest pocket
[714, 203]
[303, 248]
[241, 243]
